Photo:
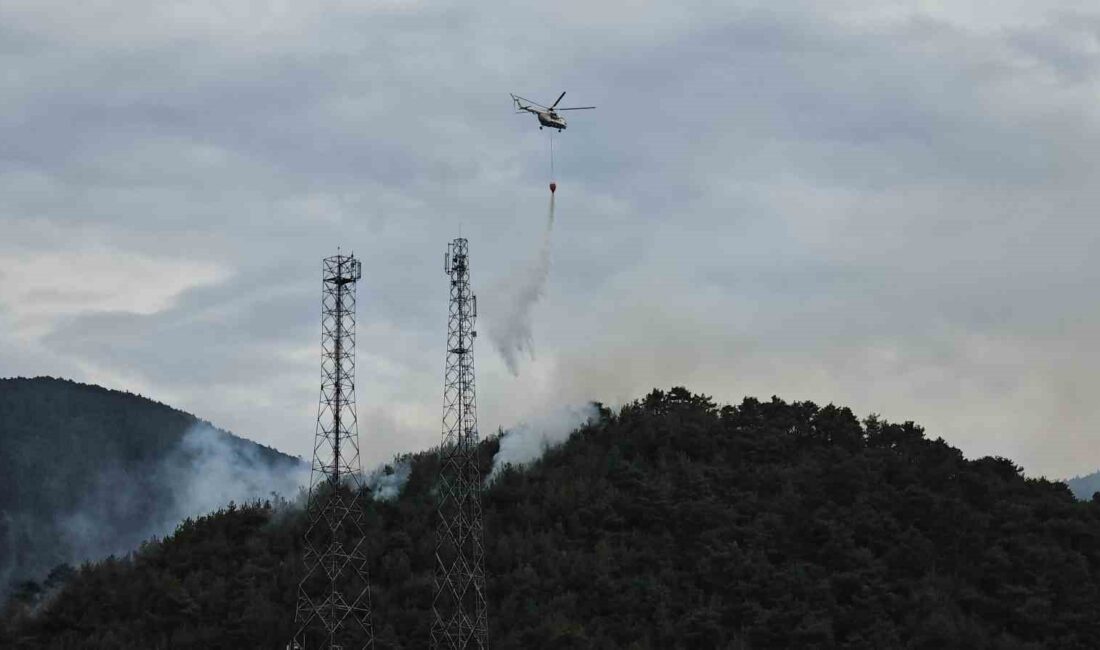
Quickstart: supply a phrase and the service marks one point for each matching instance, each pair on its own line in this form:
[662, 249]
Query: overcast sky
[890, 206]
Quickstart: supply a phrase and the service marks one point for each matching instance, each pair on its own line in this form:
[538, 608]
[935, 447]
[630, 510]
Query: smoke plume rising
[527, 441]
[206, 471]
[209, 469]
[510, 329]
[128, 503]
[386, 481]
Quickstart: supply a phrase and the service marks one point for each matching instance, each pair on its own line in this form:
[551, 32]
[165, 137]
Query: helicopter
[548, 116]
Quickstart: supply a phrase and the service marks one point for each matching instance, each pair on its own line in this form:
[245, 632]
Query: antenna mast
[334, 610]
[460, 621]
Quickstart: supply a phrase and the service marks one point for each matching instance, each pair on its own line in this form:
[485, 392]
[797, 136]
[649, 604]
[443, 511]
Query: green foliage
[673, 523]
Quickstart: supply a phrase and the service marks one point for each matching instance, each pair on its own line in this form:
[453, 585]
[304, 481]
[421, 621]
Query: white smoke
[388, 480]
[203, 473]
[529, 440]
[210, 469]
[510, 329]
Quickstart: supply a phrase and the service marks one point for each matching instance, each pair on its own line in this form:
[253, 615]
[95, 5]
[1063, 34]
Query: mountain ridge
[672, 522]
[1084, 487]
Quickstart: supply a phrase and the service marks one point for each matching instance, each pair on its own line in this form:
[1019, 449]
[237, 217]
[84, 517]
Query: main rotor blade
[557, 100]
[576, 108]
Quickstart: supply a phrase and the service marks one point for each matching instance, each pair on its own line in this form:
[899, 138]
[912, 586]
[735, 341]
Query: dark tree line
[672, 523]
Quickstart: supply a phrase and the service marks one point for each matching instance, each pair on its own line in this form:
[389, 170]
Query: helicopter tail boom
[523, 104]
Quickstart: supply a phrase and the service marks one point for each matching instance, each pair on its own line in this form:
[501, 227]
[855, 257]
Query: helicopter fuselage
[551, 119]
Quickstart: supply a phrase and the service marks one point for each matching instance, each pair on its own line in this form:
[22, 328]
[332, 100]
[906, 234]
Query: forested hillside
[86, 471]
[672, 523]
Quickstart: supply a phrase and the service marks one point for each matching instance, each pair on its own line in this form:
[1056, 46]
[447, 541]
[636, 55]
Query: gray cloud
[882, 206]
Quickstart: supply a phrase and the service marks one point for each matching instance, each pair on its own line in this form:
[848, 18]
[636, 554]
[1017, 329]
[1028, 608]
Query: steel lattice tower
[334, 609]
[460, 620]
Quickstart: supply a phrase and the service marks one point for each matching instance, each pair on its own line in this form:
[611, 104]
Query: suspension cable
[551, 155]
